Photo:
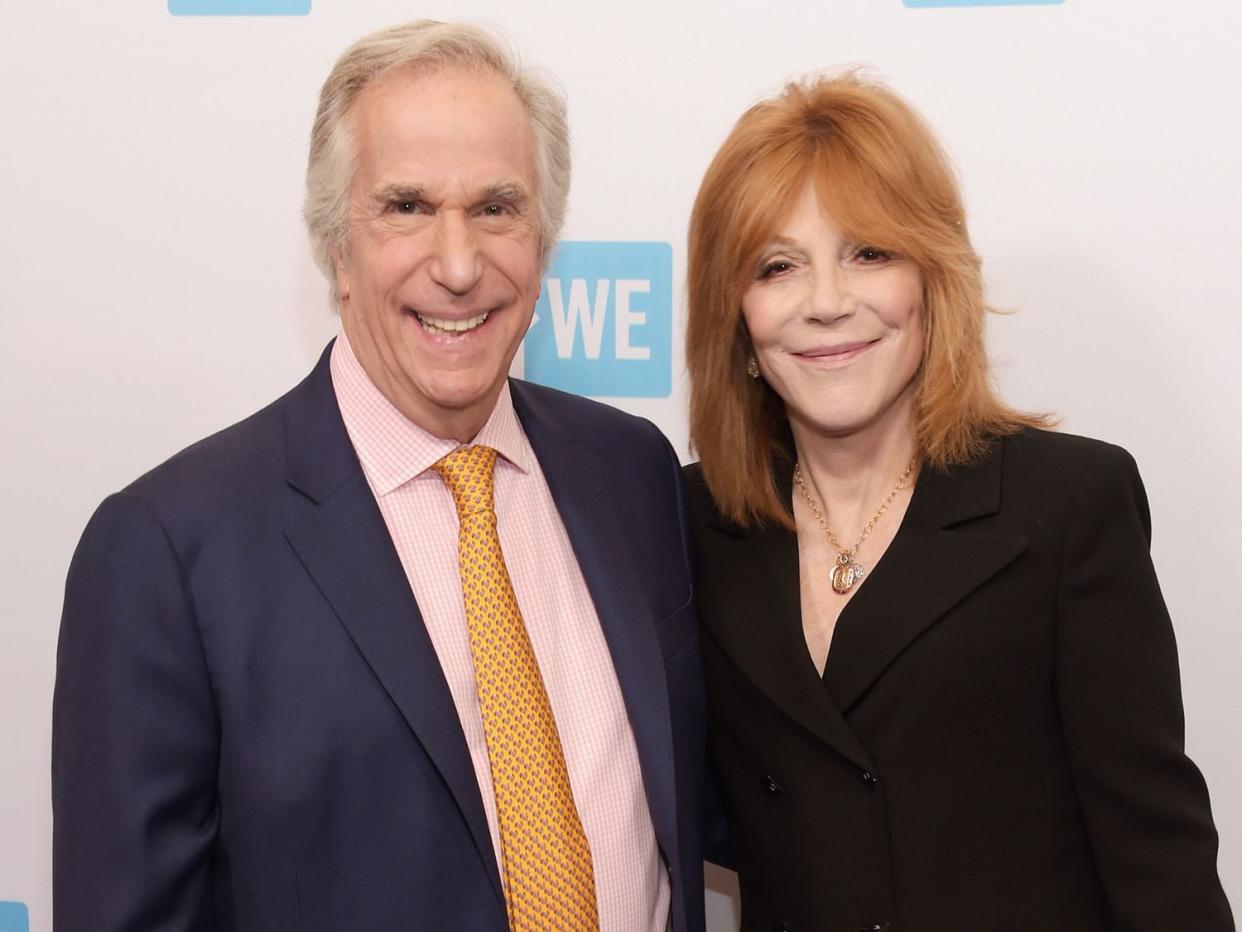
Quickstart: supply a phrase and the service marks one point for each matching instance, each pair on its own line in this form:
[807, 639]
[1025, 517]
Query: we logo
[603, 324]
[14, 917]
[938, 3]
[239, 7]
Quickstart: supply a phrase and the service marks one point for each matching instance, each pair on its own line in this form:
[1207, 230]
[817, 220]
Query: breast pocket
[984, 619]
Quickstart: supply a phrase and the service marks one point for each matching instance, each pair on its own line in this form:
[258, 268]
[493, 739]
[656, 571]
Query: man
[299, 686]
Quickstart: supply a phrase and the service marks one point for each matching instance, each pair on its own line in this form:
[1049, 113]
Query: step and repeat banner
[158, 285]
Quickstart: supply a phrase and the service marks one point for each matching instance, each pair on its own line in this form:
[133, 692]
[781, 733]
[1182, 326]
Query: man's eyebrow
[513, 192]
[398, 192]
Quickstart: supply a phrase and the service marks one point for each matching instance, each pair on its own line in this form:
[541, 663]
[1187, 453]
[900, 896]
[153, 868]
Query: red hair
[883, 178]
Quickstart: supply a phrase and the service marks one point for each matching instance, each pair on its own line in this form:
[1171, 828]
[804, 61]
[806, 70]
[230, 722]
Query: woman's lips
[839, 353]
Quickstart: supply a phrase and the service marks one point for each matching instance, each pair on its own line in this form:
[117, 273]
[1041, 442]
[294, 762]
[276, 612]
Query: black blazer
[997, 741]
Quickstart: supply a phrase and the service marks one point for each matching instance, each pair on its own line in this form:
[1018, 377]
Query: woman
[943, 683]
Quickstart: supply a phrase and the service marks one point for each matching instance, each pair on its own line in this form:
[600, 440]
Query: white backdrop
[157, 285]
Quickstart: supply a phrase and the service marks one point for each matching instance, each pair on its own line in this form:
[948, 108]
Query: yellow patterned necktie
[549, 880]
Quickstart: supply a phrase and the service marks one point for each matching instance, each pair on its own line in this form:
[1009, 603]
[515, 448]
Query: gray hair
[430, 45]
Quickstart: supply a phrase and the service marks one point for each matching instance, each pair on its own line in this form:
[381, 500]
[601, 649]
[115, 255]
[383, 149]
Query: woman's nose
[829, 298]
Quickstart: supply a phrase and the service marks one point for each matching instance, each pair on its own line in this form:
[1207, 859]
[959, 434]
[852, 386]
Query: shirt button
[771, 787]
[870, 781]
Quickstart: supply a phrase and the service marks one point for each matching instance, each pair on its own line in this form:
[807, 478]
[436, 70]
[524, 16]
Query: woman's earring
[752, 367]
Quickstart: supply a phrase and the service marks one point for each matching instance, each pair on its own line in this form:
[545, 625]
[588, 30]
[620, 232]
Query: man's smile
[451, 324]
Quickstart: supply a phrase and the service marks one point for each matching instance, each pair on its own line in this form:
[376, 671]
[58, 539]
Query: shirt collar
[393, 449]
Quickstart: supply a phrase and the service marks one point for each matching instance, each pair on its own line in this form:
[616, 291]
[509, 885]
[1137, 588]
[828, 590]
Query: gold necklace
[847, 571]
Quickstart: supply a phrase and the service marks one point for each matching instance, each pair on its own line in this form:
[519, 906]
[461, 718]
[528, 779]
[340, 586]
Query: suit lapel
[937, 559]
[580, 487]
[752, 605]
[752, 608]
[346, 549]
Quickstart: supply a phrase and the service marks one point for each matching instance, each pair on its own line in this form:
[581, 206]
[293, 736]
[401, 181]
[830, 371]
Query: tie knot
[468, 473]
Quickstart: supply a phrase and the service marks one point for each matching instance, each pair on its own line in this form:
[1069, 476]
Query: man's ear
[341, 270]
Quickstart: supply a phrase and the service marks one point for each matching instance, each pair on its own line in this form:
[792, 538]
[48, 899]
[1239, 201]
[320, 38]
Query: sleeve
[717, 848]
[1144, 802]
[134, 736]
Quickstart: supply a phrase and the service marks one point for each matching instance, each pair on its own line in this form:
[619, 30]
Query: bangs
[765, 195]
[871, 204]
[862, 202]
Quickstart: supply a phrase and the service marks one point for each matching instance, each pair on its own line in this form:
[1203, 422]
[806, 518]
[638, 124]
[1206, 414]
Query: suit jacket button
[870, 781]
[771, 787]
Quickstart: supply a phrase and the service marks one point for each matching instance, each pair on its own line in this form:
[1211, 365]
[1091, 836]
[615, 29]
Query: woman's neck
[851, 475]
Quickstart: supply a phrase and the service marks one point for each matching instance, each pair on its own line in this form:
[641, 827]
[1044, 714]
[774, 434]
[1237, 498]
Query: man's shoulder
[593, 423]
[236, 449]
[233, 469]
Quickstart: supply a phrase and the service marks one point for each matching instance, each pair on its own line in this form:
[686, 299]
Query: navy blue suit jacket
[251, 730]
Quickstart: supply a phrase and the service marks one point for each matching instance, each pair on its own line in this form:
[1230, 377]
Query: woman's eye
[776, 267]
[871, 254]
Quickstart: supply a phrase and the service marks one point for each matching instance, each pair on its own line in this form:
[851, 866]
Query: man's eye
[497, 210]
[404, 207]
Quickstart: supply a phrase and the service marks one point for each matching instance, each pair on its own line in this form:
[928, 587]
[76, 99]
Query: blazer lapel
[752, 608]
[346, 549]
[935, 561]
[580, 487]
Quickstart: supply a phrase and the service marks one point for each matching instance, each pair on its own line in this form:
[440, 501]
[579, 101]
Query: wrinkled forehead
[448, 120]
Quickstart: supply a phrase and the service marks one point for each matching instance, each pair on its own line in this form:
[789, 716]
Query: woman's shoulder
[1081, 475]
[1034, 448]
[706, 517]
[696, 485]
[699, 498]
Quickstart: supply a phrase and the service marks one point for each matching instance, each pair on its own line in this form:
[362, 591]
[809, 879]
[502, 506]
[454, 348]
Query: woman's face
[837, 326]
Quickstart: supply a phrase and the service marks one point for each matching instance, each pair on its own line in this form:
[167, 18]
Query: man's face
[442, 270]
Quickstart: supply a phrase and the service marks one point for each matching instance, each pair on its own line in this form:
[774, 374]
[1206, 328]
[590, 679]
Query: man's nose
[456, 264]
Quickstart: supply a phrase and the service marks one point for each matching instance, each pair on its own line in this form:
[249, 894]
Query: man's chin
[462, 399]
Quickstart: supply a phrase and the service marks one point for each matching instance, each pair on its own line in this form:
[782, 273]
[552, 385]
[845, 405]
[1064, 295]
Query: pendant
[846, 572]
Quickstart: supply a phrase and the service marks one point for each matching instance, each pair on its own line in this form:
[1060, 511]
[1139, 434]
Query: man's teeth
[444, 325]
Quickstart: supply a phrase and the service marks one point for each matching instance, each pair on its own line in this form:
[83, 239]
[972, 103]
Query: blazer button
[771, 787]
[870, 781]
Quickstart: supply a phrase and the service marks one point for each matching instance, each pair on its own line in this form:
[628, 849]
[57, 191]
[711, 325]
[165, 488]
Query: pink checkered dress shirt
[631, 881]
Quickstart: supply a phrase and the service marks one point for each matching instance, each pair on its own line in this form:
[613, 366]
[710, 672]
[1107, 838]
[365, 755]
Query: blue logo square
[939, 3]
[239, 7]
[603, 324]
[14, 917]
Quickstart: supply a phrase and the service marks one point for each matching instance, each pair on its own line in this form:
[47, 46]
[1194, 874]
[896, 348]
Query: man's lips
[452, 324]
[839, 352]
